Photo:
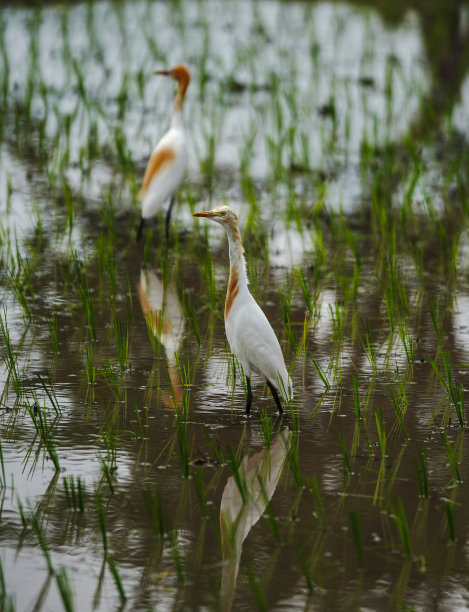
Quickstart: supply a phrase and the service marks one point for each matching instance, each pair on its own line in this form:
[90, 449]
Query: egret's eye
[223, 213]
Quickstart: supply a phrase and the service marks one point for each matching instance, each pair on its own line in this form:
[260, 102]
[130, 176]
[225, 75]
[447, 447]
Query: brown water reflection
[163, 312]
[243, 504]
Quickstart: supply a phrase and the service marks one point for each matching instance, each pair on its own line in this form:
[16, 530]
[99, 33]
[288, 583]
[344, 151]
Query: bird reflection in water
[160, 305]
[240, 510]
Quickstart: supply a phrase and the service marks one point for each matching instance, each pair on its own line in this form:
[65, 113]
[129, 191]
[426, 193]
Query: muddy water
[285, 534]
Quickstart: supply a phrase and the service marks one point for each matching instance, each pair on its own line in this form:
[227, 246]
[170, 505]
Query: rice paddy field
[130, 477]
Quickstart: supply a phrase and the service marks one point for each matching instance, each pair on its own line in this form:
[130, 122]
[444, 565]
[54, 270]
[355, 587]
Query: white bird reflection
[160, 305]
[239, 511]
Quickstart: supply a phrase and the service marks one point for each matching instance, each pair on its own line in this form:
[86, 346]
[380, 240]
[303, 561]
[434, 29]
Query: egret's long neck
[179, 104]
[238, 277]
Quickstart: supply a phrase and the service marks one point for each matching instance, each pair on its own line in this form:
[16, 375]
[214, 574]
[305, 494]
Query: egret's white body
[165, 183]
[168, 162]
[250, 335]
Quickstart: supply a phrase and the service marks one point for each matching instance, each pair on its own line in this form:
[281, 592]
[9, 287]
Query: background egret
[167, 164]
[249, 333]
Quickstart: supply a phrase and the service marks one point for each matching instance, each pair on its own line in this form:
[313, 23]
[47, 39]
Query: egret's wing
[254, 342]
[164, 172]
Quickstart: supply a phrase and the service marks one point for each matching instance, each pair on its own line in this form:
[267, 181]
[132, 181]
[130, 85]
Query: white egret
[167, 164]
[250, 335]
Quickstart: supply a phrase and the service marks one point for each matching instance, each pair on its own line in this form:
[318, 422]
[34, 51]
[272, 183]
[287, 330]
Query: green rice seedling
[381, 430]
[392, 475]
[335, 368]
[53, 332]
[437, 320]
[214, 447]
[154, 334]
[255, 586]
[181, 434]
[406, 340]
[209, 275]
[24, 522]
[154, 506]
[268, 511]
[42, 539]
[319, 508]
[144, 427]
[449, 512]
[7, 602]
[245, 161]
[106, 258]
[182, 411]
[75, 492]
[147, 247]
[116, 577]
[380, 482]
[343, 446]
[39, 418]
[356, 398]
[65, 589]
[113, 383]
[50, 392]
[400, 518]
[123, 152]
[305, 290]
[355, 521]
[90, 368]
[84, 292]
[68, 198]
[122, 342]
[238, 475]
[421, 471]
[293, 410]
[101, 512]
[190, 312]
[455, 392]
[109, 435]
[5, 72]
[173, 538]
[368, 343]
[320, 372]
[18, 282]
[266, 427]
[337, 319]
[107, 215]
[10, 358]
[399, 403]
[453, 463]
[293, 460]
[304, 566]
[285, 295]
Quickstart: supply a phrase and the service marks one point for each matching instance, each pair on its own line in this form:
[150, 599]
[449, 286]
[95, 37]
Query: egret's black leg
[273, 390]
[140, 229]
[249, 400]
[168, 216]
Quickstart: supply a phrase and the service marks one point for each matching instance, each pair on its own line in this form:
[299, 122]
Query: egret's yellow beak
[210, 214]
[163, 72]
